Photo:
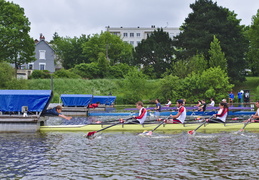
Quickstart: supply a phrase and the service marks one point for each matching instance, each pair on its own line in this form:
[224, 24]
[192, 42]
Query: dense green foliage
[40, 74]
[206, 21]
[253, 52]
[155, 53]
[217, 57]
[8, 80]
[93, 70]
[69, 51]
[16, 46]
[115, 50]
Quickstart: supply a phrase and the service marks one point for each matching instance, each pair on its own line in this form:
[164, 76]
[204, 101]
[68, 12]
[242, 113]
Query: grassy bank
[106, 86]
[75, 86]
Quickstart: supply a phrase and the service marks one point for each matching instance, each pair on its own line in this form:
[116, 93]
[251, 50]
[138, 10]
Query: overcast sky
[75, 17]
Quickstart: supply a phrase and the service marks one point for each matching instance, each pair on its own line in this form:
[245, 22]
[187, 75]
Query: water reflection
[69, 155]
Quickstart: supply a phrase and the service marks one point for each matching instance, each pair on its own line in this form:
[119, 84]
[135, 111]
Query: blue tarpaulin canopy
[107, 100]
[76, 99]
[13, 100]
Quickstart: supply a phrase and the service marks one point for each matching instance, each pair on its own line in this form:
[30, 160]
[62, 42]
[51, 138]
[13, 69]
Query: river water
[71, 156]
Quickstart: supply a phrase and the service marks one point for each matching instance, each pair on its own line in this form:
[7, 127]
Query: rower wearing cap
[180, 116]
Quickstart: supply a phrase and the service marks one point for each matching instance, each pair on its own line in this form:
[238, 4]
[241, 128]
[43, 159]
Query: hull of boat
[213, 127]
[168, 113]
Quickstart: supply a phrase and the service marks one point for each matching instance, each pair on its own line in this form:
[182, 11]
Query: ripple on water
[129, 156]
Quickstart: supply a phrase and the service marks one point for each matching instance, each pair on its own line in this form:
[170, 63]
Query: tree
[207, 20]
[115, 50]
[217, 57]
[69, 50]
[155, 53]
[253, 52]
[134, 86]
[211, 83]
[8, 80]
[182, 68]
[16, 46]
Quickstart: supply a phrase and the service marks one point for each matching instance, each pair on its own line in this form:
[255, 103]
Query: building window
[138, 34]
[132, 43]
[30, 66]
[138, 42]
[125, 34]
[42, 54]
[131, 34]
[42, 66]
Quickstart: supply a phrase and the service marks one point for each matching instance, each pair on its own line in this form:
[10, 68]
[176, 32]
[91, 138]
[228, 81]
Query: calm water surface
[59, 155]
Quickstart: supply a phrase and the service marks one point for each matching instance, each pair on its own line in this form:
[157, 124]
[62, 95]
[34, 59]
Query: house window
[42, 54]
[131, 34]
[138, 34]
[132, 43]
[42, 66]
[30, 66]
[125, 34]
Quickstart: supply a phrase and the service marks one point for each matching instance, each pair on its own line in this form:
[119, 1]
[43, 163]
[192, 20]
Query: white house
[134, 35]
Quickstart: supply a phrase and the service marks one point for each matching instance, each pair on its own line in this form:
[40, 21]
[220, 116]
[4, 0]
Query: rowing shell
[208, 128]
[168, 113]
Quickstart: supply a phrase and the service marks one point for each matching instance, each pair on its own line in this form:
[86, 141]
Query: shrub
[40, 74]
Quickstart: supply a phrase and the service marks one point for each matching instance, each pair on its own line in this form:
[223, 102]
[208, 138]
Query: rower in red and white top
[222, 114]
[140, 119]
[180, 117]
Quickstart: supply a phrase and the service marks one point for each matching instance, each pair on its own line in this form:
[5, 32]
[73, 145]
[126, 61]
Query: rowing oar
[192, 132]
[94, 132]
[248, 121]
[149, 133]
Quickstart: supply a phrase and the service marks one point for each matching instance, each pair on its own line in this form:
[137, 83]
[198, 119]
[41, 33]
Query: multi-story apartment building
[134, 35]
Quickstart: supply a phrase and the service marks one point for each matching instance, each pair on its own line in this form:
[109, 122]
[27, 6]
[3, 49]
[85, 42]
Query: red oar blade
[191, 132]
[90, 134]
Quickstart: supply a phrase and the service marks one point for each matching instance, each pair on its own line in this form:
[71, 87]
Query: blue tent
[76, 99]
[107, 100]
[13, 100]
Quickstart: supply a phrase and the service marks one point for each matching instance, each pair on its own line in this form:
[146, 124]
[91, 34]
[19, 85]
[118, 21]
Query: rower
[255, 117]
[180, 116]
[222, 114]
[140, 119]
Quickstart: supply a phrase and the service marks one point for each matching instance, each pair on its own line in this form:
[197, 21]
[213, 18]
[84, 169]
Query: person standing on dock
[56, 111]
[231, 97]
[179, 118]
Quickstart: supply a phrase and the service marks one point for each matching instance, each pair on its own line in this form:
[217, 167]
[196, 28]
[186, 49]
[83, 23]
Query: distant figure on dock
[56, 111]
[212, 102]
[94, 105]
[231, 97]
[169, 103]
[203, 106]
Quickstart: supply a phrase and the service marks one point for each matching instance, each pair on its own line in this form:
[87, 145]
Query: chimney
[42, 38]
